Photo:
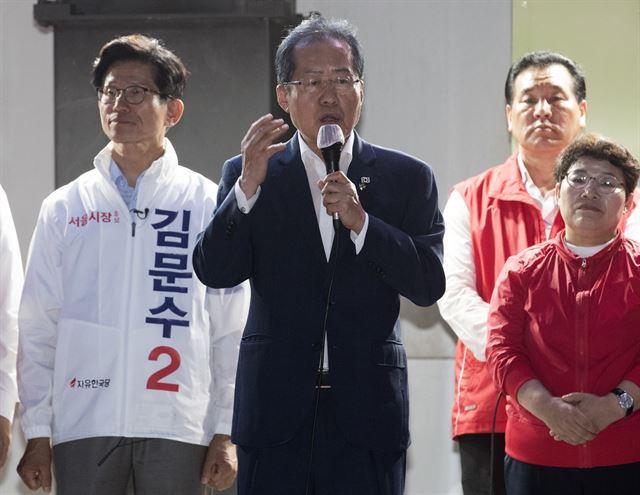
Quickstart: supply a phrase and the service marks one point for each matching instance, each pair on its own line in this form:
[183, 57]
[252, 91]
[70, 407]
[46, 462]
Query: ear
[507, 111]
[175, 109]
[557, 189]
[283, 97]
[628, 203]
[583, 113]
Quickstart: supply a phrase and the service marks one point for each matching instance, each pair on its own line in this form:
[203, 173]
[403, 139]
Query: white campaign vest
[116, 329]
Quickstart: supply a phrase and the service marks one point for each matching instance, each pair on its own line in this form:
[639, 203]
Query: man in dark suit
[321, 393]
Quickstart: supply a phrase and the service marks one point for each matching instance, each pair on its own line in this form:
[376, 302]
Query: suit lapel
[294, 189]
[363, 172]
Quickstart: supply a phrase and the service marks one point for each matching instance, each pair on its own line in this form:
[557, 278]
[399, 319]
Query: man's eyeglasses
[605, 184]
[133, 95]
[313, 85]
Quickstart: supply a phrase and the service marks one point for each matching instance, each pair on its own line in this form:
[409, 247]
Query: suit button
[316, 346]
[231, 227]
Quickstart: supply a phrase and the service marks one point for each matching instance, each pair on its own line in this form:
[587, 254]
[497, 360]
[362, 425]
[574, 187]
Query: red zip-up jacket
[574, 324]
[503, 220]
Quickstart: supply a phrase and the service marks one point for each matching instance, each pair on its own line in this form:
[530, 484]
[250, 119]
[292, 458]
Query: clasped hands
[578, 417]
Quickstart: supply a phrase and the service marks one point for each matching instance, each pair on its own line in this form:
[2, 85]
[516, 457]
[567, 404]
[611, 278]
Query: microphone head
[328, 135]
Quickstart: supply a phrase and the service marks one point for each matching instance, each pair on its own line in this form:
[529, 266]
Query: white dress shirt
[315, 169]
[547, 203]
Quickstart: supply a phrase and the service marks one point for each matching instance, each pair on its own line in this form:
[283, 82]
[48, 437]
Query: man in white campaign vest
[126, 362]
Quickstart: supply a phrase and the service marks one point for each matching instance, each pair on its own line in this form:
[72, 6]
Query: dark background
[228, 47]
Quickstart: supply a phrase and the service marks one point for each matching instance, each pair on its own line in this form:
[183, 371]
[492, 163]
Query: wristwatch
[625, 401]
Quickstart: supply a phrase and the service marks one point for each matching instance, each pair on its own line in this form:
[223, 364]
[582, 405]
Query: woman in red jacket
[564, 337]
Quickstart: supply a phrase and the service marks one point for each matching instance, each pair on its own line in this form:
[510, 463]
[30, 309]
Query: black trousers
[336, 467]
[531, 479]
[475, 463]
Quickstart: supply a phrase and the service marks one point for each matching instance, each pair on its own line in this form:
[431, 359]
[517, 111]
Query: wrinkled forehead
[554, 76]
[319, 55]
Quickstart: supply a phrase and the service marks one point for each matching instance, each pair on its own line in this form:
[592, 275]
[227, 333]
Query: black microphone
[141, 214]
[330, 141]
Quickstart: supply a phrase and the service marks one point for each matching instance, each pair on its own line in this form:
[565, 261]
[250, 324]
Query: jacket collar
[362, 151]
[361, 172]
[508, 184]
[604, 254]
[159, 171]
[294, 184]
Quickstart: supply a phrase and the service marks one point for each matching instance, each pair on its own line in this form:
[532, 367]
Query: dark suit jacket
[277, 246]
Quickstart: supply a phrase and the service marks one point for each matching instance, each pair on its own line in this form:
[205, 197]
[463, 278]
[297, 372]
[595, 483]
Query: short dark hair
[317, 28]
[601, 148]
[170, 74]
[541, 60]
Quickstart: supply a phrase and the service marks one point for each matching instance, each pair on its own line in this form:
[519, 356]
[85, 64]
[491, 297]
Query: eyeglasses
[312, 85]
[133, 95]
[605, 184]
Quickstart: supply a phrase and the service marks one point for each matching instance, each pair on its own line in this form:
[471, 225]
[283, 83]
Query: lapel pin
[364, 181]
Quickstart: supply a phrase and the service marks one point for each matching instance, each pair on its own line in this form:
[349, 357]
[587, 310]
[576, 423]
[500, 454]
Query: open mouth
[330, 119]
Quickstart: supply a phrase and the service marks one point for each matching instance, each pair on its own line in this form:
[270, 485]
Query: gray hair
[317, 28]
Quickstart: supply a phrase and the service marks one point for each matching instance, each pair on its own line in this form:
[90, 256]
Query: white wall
[26, 144]
[26, 103]
[434, 73]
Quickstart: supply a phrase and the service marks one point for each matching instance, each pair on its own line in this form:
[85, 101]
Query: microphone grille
[328, 135]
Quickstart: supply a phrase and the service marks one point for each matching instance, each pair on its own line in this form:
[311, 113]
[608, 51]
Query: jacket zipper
[124, 426]
[581, 332]
[125, 335]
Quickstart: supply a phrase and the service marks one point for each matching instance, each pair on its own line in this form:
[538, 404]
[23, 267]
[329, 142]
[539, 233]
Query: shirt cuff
[222, 428]
[7, 409]
[244, 204]
[37, 432]
[358, 239]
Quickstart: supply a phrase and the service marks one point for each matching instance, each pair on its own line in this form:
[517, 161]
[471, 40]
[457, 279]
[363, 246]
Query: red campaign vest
[504, 220]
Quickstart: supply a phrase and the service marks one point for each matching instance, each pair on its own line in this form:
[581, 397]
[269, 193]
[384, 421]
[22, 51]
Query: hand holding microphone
[339, 193]
[330, 141]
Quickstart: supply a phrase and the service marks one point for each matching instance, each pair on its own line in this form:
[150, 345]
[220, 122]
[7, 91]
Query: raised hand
[257, 147]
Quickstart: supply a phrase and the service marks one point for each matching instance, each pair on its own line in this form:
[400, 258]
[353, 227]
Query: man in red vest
[495, 215]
